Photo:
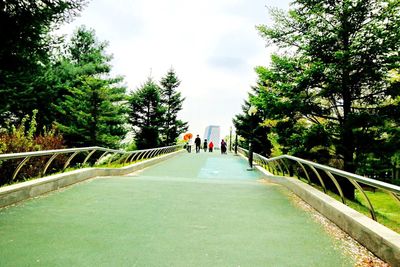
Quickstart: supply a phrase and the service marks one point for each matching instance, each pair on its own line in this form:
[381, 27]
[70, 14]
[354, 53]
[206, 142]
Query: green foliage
[24, 138]
[172, 102]
[85, 51]
[130, 146]
[146, 114]
[25, 53]
[251, 127]
[91, 109]
[332, 92]
[20, 139]
[92, 114]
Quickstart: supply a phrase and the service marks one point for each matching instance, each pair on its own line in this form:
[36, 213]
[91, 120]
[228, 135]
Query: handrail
[70, 150]
[26, 156]
[355, 179]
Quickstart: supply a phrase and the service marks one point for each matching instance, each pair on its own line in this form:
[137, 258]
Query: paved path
[193, 210]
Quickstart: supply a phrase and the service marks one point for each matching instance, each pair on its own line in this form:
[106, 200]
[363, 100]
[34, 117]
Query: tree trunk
[348, 148]
[347, 138]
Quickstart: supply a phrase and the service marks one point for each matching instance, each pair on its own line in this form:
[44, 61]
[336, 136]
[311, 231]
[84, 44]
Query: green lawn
[387, 209]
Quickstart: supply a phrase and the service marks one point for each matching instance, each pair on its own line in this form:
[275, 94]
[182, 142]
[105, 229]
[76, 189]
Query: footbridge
[166, 207]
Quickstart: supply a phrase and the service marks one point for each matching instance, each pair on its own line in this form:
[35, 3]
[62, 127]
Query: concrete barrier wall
[379, 239]
[25, 190]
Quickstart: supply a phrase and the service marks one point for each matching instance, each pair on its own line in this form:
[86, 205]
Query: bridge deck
[193, 210]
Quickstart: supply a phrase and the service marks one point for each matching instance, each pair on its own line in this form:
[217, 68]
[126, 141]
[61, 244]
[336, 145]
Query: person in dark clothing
[197, 141]
[205, 145]
[223, 147]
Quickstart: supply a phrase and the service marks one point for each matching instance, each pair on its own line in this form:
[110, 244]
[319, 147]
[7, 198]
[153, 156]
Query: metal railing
[279, 165]
[89, 152]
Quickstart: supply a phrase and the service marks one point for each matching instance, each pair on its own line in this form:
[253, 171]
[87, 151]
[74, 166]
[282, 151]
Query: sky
[212, 45]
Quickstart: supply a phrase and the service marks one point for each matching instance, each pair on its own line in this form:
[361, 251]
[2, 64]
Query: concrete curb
[379, 239]
[18, 192]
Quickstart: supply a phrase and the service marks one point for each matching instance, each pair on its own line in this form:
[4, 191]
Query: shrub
[24, 138]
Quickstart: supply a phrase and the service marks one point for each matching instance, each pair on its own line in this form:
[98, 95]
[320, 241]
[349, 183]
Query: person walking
[205, 145]
[223, 147]
[197, 141]
[189, 145]
[210, 146]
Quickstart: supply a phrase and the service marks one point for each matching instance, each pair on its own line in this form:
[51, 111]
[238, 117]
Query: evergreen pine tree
[172, 102]
[146, 115]
[91, 109]
[93, 113]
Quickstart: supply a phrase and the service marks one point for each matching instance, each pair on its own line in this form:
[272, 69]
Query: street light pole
[230, 139]
[236, 143]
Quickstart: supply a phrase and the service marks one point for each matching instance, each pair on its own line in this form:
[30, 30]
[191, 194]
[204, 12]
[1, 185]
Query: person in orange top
[210, 146]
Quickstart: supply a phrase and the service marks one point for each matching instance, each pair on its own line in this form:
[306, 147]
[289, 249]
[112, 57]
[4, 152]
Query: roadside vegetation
[331, 92]
[59, 91]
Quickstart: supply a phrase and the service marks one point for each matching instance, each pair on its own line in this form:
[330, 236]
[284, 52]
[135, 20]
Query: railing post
[100, 158]
[371, 208]
[69, 159]
[88, 156]
[134, 155]
[319, 177]
[48, 163]
[305, 172]
[337, 186]
[20, 165]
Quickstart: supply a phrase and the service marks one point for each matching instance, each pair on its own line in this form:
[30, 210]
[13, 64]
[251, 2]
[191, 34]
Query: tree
[284, 108]
[91, 109]
[251, 127]
[146, 115]
[93, 113]
[172, 102]
[25, 52]
[344, 51]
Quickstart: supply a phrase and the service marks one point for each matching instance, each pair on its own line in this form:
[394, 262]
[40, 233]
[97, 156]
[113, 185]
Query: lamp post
[236, 143]
[252, 111]
[230, 139]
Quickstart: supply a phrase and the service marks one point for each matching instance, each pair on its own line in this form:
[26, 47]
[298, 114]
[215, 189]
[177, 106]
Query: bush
[24, 138]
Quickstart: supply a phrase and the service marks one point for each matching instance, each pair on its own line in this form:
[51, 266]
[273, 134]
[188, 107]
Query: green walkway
[193, 210]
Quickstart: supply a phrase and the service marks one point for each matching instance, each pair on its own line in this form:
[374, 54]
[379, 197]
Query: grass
[387, 209]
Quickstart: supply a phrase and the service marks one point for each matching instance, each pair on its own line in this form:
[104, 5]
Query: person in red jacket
[210, 146]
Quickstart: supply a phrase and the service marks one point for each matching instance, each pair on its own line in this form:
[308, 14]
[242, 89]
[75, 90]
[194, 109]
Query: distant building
[212, 133]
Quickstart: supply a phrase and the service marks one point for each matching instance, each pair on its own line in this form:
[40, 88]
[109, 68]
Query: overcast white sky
[212, 45]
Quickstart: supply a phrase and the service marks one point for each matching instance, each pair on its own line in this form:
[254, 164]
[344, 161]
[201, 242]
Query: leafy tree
[25, 52]
[342, 52]
[91, 108]
[284, 111]
[172, 102]
[146, 115]
[251, 127]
